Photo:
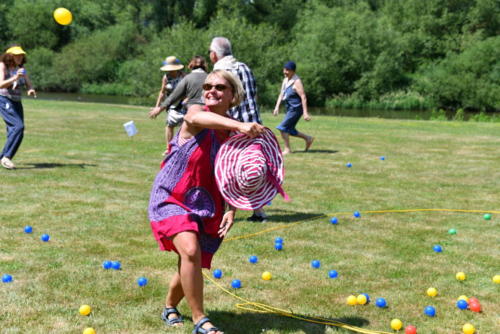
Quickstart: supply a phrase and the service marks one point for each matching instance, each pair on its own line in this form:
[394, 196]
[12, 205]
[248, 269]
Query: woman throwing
[13, 77]
[186, 210]
[292, 92]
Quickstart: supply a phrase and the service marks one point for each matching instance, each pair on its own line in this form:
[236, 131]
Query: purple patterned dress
[185, 196]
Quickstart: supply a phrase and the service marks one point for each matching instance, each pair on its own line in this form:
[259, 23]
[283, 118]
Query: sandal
[171, 321]
[200, 330]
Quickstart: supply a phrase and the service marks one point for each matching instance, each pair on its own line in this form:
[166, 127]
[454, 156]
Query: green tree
[333, 48]
[470, 79]
[262, 47]
[95, 58]
[30, 23]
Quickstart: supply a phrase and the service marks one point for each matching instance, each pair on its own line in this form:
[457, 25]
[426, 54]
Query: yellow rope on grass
[245, 236]
[263, 308]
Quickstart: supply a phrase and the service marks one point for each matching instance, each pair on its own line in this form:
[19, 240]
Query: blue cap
[290, 65]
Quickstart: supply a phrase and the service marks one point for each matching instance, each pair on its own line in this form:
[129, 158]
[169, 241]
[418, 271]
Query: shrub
[470, 79]
[94, 58]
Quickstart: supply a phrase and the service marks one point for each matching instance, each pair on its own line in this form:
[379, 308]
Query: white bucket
[130, 128]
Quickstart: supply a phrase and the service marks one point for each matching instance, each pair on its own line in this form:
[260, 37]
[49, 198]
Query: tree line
[350, 53]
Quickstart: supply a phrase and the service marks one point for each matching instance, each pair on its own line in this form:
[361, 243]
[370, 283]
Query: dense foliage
[394, 53]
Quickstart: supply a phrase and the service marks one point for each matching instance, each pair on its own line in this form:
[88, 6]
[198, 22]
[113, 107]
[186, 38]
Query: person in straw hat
[173, 76]
[12, 78]
[187, 211]
[189, 88]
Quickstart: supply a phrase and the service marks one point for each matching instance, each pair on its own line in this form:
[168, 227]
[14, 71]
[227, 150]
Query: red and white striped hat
[249, 171]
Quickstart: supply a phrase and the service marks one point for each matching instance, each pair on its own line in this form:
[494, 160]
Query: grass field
[81, 180]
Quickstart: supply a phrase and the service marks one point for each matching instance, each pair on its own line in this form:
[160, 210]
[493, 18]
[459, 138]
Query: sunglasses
[218, 87]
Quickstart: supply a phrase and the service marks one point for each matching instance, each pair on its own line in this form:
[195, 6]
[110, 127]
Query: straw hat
[249, 171]
[171, 64]
[16, 50]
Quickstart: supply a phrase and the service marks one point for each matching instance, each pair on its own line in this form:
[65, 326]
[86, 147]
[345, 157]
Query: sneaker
[257, 218]
[7, 163]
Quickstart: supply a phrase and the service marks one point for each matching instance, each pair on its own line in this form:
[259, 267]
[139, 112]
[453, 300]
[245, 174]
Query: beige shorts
[174, 117]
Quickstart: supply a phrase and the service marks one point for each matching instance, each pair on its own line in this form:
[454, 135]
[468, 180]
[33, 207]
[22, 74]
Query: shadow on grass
[315, 151]
[54, 165]
[261, 323]
[286, 216]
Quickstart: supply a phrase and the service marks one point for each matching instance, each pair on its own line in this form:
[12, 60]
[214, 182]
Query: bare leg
[175, 294]
[169, 134]
[308, 139]
[286, 140]
[190, 273]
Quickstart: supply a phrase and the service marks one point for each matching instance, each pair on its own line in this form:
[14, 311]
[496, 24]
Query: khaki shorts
[174, 117]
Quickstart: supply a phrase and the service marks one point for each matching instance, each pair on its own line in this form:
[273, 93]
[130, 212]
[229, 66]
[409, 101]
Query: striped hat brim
[249, 171]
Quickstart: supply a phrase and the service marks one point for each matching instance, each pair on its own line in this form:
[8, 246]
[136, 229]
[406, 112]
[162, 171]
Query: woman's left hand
[32, 92]
[307, 117]
[227, 223]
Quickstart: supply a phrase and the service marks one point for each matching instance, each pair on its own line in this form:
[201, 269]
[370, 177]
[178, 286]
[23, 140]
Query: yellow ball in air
[63, 16]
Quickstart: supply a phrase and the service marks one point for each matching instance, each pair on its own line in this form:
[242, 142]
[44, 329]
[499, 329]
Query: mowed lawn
[81, 180]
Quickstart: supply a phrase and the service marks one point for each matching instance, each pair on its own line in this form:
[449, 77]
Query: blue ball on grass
[142, 281]
[107, 264]
[28, 229]
[430, 311]
[333, 274]
[356, 214]
[437, 248]
[334, 220]
[6, 278]
[217, 273]
[315, 264]
[253, 259]
[348, 165]
[462, 304]
[236, 284]
[116, 265]
[45, 237]
[380, 302]
[278, 246]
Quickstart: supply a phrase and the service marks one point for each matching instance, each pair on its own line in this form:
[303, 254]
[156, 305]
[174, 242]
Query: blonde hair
[234, 82]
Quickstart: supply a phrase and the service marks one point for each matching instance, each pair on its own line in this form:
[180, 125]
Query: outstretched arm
[197, 119]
